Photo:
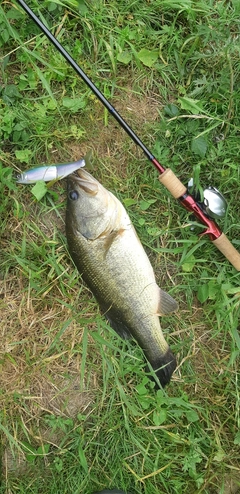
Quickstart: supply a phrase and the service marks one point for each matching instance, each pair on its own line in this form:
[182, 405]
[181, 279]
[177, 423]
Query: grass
[78, 412]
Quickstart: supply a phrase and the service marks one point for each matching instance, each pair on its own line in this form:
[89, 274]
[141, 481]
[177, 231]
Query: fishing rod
[213, 201]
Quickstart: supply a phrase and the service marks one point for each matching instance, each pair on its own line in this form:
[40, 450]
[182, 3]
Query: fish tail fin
[164, 367]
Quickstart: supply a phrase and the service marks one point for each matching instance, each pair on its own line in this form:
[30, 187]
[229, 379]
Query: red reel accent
[191, 205]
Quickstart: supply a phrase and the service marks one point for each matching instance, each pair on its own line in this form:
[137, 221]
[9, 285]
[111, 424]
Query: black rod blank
[91, 85]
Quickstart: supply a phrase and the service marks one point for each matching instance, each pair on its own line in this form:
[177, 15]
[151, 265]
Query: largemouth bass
[111, 260]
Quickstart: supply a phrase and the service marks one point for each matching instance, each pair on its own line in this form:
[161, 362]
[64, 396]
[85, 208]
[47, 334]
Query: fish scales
[111, 260]
[105, 282]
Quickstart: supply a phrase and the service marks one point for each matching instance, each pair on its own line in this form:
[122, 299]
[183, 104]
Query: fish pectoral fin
[111, 237]
[166, 304]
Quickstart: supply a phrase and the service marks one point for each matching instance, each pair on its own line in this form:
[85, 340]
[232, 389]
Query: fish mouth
[78, 173]
[84, 180]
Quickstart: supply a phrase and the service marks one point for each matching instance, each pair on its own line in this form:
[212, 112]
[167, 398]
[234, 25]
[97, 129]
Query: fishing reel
[212, 202]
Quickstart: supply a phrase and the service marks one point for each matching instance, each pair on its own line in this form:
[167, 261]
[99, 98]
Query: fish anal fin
[119, 327]
[166, 304]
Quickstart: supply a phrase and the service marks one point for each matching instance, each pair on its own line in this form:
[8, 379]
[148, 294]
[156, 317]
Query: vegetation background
[78, 412]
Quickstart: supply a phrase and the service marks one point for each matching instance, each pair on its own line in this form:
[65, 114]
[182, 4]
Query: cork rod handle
[172, 183]
[227, 249]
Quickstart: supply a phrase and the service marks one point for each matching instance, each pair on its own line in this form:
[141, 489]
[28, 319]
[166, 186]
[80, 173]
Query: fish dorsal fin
[167, 304]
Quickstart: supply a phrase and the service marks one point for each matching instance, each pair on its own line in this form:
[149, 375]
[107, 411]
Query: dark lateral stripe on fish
[164, 368]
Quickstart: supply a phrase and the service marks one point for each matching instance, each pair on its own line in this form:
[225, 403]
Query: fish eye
[73, 195]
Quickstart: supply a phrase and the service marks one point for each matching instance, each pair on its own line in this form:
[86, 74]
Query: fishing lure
[49, 172]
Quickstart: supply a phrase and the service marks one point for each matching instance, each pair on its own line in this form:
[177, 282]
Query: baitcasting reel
[213, 204]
